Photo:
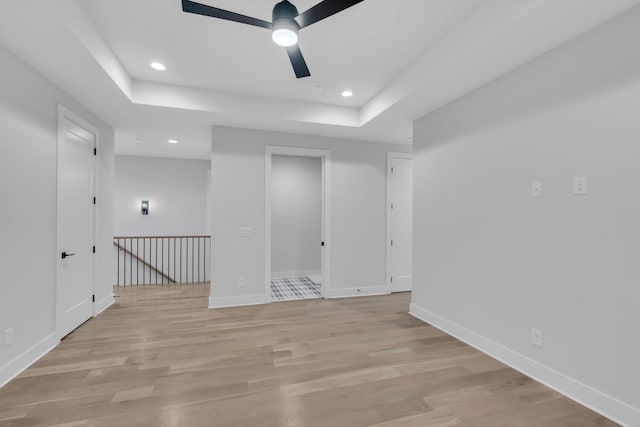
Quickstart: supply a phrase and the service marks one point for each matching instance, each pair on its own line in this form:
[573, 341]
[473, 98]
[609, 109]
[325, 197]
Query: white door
[75, 226]
[401, 188]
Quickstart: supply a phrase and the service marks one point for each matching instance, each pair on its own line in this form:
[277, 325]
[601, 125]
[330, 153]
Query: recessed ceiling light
[173, 141]
[318, 86]
[347, 94]
[158, 66]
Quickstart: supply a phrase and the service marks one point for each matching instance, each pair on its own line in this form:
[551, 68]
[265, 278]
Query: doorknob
[65, 255]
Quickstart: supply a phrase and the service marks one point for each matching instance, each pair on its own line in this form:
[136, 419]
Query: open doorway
[296, 223]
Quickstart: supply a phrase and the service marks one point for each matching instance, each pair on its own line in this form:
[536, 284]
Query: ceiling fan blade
[323, 10]
[203, 9]
[298, 62]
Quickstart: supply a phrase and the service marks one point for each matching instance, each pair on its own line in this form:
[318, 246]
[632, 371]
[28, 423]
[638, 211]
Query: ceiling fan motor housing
[284, 14]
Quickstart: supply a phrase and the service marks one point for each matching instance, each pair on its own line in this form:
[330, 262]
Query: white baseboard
[356, 292]
[588, 396]
[16, 366]
[103, 304]
[239, 301]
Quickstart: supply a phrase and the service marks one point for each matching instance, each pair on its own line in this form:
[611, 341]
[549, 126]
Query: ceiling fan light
[285, 32]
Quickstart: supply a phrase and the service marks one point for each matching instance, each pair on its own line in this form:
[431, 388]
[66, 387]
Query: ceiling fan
[285, 24]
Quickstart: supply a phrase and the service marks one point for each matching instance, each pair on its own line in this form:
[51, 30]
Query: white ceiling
[402, 59]
[362, 48]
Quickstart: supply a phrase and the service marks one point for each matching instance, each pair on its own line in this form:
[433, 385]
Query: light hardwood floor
[159, 357]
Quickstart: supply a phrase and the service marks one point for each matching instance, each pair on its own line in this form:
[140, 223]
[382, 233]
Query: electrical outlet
[244, 232]
[580, 185]
[536, 189]
[8, 337]
[536, 337]
[241, 282]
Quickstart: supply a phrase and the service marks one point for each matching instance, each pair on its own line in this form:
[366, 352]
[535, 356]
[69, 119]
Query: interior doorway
[296, 223]
[75, 221]
[399, 221]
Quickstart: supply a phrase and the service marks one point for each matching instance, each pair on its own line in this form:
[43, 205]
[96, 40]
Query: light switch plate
[244, 232]
[8, 337]
[536, 337]
[580, 185]
[536, 189]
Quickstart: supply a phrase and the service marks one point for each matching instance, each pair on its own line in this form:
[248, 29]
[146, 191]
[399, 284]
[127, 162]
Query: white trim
[584, 394]
[390, 156]
[357, 292]
[103, 304]
[325, 156]
[238, 301]
[15, 367]
[65, 113]
[209, 200]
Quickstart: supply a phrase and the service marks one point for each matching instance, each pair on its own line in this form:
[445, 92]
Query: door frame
[66, 113]
[390, 156]
[325, 156]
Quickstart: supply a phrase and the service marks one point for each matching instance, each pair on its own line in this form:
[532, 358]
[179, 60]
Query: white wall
[357, 241]
[28, 131]
[491, 262]
[176, 190]
[296, 214]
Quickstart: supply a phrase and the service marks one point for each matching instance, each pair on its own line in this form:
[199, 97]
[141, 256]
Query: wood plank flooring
[159, 357]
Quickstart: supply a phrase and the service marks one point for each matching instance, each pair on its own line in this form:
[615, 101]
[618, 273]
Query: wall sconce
[145, 207]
